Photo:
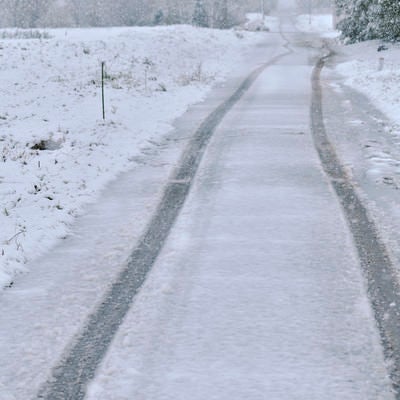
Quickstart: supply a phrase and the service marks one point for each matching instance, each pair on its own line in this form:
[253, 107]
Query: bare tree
[34, 13]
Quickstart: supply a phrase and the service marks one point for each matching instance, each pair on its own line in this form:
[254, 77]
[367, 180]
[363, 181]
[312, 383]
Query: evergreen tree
[200, 16]
[358, 23]
[369, 19]
[386, 14]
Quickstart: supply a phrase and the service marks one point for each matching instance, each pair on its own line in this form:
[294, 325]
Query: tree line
[369, 19]
[85, 13]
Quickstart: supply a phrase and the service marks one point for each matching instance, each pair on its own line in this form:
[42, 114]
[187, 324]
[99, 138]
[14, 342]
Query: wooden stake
[103, 65]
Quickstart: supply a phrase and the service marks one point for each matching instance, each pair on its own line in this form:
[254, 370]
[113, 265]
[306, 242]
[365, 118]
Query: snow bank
[375, 73]
[369, 144]
[56, 151]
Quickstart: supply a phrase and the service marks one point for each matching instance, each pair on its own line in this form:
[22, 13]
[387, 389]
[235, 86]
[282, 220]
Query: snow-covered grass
[369, 144]
[56, 151]
[375, 73]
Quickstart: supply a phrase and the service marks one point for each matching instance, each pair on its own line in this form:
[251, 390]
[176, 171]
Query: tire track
[77, 367]
[382, 282]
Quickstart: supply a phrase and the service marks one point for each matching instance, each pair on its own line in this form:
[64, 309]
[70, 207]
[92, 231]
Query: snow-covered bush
[386, 15]
[369, 19]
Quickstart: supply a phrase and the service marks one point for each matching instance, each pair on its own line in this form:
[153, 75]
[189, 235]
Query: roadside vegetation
[362, 20]
[222, 14]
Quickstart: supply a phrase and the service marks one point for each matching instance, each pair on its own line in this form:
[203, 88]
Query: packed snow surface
[369, 142]
[250, 283]
[56, 151]
[376, 74]
[45, 309]
[253, 297]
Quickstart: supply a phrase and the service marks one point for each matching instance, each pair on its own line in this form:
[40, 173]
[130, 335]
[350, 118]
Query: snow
[57, 152]
[249, 281]
[371, 147]
[255, 22]
[46, 308]
[322, 24]
[232, 293]
[253, 297]
[377, 79]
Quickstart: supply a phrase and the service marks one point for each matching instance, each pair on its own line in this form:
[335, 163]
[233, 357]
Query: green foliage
[387, 16]
[369, 19]
[358, 23]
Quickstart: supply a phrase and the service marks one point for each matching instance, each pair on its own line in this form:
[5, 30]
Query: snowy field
[56, 151]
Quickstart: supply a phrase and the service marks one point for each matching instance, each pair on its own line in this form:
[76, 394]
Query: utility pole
[309, 11]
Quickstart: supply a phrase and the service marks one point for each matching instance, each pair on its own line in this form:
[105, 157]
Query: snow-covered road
[44, 310]
[258, 292]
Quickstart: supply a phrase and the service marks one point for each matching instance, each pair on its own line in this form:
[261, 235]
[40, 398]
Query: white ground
[373, 157]
[50, 91]
[321, 24]
[48, 306]
[255, 21]
[378, 79]
[253, 297]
